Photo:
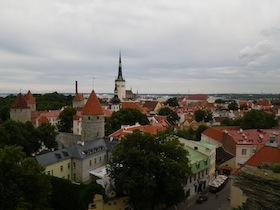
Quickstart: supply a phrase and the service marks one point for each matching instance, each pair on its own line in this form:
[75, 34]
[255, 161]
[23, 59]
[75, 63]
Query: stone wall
[261, 186]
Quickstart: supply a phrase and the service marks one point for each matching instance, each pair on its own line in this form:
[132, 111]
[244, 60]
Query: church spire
[120, 77]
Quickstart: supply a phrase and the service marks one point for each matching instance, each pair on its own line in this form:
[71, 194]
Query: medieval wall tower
[93, 122]
[120, 82]
[78, 100]
[20, 111]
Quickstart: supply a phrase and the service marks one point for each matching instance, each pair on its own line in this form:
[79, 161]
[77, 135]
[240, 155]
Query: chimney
[76, 86]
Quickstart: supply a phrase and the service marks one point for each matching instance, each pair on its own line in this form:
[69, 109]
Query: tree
[172, 102]
[46, 133]
[233, 106]
[172, 116]
[65, 120]
[23, 185]
[258, 119]
[21, 134]
[198, 132]
[203, 116]
[125, 116]
[150, 169]
[219, 101]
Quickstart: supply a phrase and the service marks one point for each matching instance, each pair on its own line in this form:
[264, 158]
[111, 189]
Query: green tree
[65, 120]
[219, 101]
[52, 101]
[172, 102]
[46, 133]
[172, 116]
[150, 169]
[258, 119]
[233, 106]
[203, 116]
[125, 116]
[21, 134]
[198, 132]
[23, 185]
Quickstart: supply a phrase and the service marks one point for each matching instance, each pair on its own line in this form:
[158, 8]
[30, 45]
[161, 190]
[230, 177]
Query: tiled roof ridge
[93, 106]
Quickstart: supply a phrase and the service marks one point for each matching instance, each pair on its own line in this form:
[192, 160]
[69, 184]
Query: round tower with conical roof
[93, 122]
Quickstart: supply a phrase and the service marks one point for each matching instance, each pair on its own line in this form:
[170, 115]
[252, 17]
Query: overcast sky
[167, 46]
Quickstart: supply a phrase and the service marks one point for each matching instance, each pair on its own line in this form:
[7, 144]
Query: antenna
[93, 81]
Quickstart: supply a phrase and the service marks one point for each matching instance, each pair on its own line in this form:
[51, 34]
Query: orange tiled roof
[93, 106]
[263, 103]
[145, 128]
[20, 102]
[30, 98]
[43, 119]
[131, 104]
[266, 154]
[79, 97]
[216, 133]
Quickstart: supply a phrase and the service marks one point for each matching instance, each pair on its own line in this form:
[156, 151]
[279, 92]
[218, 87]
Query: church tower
[120, 82]
[93, 122]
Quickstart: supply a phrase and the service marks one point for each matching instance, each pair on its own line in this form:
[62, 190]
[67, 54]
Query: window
[48, 172]
[68, 176]
[243, 151]
[93, 206]
[90, 163]
[68, 166]
[100, 159]
[61, 168]
[94, 160]
[74, 165]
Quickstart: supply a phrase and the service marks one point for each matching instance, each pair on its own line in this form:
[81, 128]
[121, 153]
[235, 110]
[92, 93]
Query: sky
[167, 46]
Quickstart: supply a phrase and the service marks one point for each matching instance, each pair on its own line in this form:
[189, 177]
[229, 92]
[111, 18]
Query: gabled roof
[266, 154]
[216, 133]
[131, 104]
[43, 119]
[20, 102]
[79, 151]
[151, 105]
[222, 156]
[93, 106]
[198, 97]
[30, 98]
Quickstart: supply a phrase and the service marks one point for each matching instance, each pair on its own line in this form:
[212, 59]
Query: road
[220, 202]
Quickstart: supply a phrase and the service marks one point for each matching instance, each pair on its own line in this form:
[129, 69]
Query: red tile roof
[52, 113]
[216, 133]
[145, 128]
[43, 119]
[93, 106]
[131, 104]
[251, 136]
[266, 154]
[79, 97]
[30, 98]
[20, 102]
[197, 97]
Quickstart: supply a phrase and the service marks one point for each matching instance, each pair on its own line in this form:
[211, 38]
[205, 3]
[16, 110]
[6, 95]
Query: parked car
[202, 199]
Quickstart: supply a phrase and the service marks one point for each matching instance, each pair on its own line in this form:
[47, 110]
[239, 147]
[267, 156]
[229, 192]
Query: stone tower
[93, 122]
[31, 102]
[120, 82]
[20, 111]
[78, 100]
